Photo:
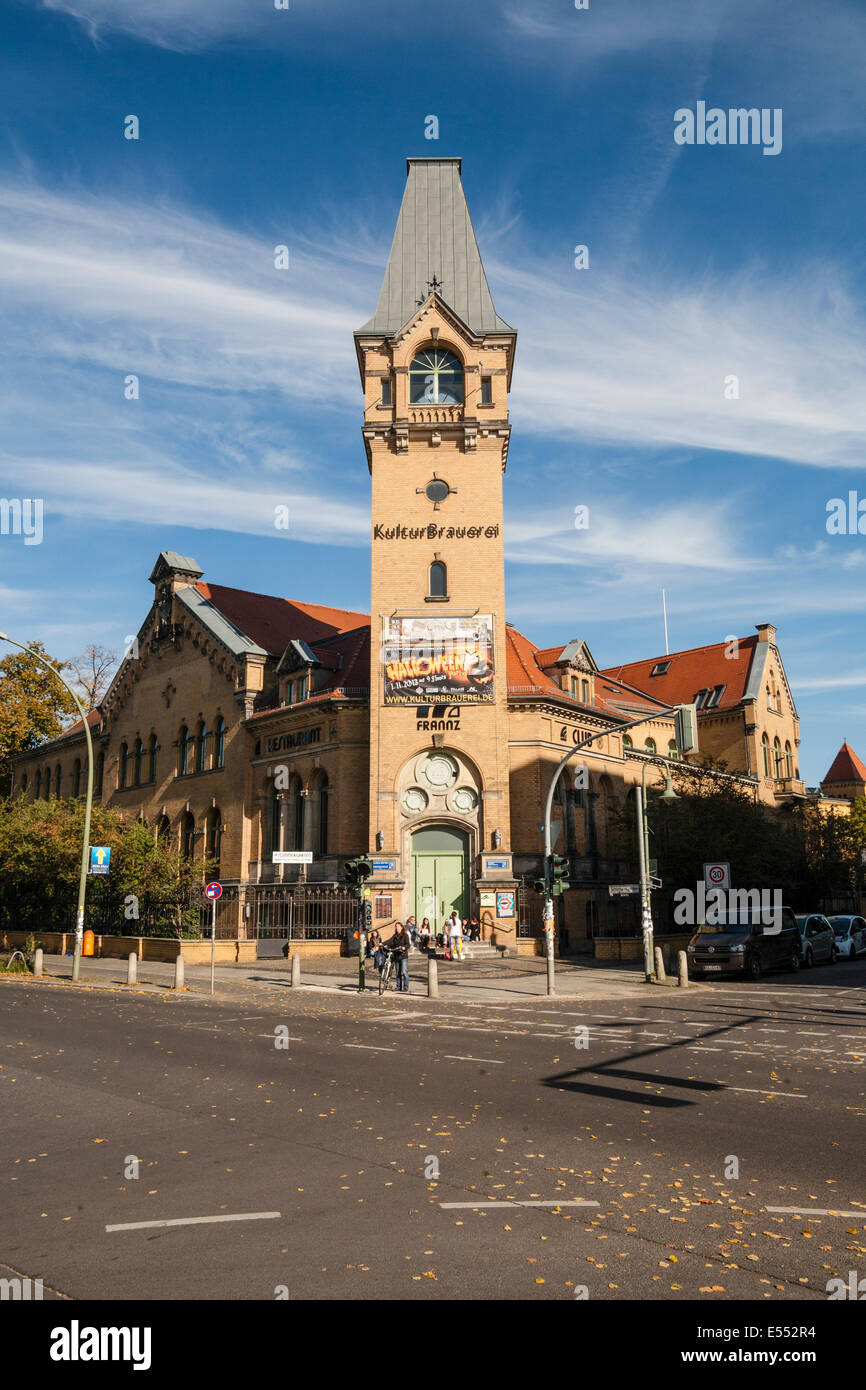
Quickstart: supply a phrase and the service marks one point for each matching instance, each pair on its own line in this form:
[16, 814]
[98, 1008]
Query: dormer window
[714, 696]
[435, 378]
[661, 668]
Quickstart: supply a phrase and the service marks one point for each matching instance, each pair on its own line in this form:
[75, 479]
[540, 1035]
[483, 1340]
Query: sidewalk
[515, 981]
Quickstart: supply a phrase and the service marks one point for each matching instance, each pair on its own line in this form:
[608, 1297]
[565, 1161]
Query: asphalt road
[375, 1154]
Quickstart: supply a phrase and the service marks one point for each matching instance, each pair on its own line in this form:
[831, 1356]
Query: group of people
[449, 941]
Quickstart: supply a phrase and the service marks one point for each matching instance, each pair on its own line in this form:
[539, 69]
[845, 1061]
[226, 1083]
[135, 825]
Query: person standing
[456, 937]
[446, 938]
[412, 929]
[399, 944]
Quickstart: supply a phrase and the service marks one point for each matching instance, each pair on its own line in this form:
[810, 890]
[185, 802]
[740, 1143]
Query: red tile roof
[847, 767]
[525, 676]
[94, 718]
[273, 622]
[699, 668]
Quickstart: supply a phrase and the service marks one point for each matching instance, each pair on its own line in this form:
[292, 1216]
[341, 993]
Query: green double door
[440, 874]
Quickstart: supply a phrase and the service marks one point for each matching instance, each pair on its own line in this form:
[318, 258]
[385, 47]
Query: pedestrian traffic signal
[558, 873]
[540, 885]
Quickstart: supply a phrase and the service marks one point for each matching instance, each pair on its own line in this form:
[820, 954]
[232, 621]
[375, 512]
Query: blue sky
[261, 127]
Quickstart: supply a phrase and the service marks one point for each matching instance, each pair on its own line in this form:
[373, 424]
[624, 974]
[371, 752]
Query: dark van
[743, 943]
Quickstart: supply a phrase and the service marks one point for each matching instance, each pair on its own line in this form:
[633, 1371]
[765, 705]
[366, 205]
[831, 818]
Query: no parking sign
[213, 890]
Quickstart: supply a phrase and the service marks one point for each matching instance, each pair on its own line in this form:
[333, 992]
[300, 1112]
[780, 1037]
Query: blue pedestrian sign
[100, 859]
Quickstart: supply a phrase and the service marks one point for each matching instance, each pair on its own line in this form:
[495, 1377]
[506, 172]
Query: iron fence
[300, 911]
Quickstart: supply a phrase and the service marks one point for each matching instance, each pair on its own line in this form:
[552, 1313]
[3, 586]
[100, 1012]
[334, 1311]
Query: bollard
[660, 964]
[296, 971]
[132, 969]
[178, 973]
[37, 963]
[683, 964]
[432, 977]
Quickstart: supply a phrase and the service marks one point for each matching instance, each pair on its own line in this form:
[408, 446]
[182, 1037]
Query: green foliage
[151, 889]
[34, 706]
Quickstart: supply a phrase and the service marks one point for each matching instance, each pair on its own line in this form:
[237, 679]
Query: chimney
[766, 632]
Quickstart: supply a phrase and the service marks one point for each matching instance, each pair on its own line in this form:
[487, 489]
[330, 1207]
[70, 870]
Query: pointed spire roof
[847, 767]
[434, 242]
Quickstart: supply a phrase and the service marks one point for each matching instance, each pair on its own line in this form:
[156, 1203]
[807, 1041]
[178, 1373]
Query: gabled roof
[346, 657]
[434, 238]
[699, 668]
[270, 622]
[846, 767]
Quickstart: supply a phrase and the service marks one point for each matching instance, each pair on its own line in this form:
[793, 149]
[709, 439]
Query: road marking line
[699, 1047]
[816, 1211]
[244, 1018]
[804, 1033]
[454, 1057]
[196, 1220]
[368, 1047]
[753, 1090]
[478, 1206]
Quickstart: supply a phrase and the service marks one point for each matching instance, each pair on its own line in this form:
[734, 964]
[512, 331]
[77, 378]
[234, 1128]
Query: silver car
[817, 937]
[850, 936]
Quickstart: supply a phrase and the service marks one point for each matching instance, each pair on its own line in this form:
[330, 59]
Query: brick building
[427, 731]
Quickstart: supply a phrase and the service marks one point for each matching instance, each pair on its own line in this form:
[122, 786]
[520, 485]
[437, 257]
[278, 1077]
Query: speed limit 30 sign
[717, 875]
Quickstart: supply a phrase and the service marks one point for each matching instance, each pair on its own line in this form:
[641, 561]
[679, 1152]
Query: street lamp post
[82, 877]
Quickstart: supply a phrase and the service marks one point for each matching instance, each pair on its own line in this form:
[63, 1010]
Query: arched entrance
[440, 873]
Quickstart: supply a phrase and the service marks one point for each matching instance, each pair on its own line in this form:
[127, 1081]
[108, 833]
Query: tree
[34, 706]
[151, 890]
[91, 674]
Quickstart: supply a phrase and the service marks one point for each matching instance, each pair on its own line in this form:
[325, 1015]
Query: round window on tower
[437, 490]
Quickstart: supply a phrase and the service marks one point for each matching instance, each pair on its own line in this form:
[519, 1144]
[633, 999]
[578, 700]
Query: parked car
[743, 942]
[817, 937]
[850, 933]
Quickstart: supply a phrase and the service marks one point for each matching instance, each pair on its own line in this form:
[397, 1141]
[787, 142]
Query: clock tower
[436, 362]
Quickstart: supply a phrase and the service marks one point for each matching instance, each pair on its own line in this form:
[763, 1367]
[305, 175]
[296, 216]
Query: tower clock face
[435, 378]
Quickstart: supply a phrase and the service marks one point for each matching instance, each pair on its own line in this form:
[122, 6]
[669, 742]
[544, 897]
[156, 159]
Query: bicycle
[386, 971]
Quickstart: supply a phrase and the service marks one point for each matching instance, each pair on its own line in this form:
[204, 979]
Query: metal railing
[300, 911]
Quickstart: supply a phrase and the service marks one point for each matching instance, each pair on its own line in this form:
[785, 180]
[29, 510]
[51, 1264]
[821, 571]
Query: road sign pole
[362, 945]
[212, 939]
[646, 920]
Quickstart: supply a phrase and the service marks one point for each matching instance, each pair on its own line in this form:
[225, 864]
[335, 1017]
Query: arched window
[46, 791]
[323, 790]
[274, 819]
[163, 830]
[789, 760]
[650, 746]
[777, 758]
[38, 792]
[136, 762]
[435, 378]
[201, 746]
[58, 774]
[100, 772]
[627, 741]
[184, 747]
[297, 802]
[673, 751]
[123, 766]
[152, 750]
[219, 742]
[76, 777]
[438, 584]
[213, 839]
[187, 835]
[768, 766]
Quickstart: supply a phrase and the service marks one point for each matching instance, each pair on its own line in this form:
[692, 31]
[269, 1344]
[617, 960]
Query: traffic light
[558, 873]
[356, 871]
[686, 728]
[368, 915]
[539, 885]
